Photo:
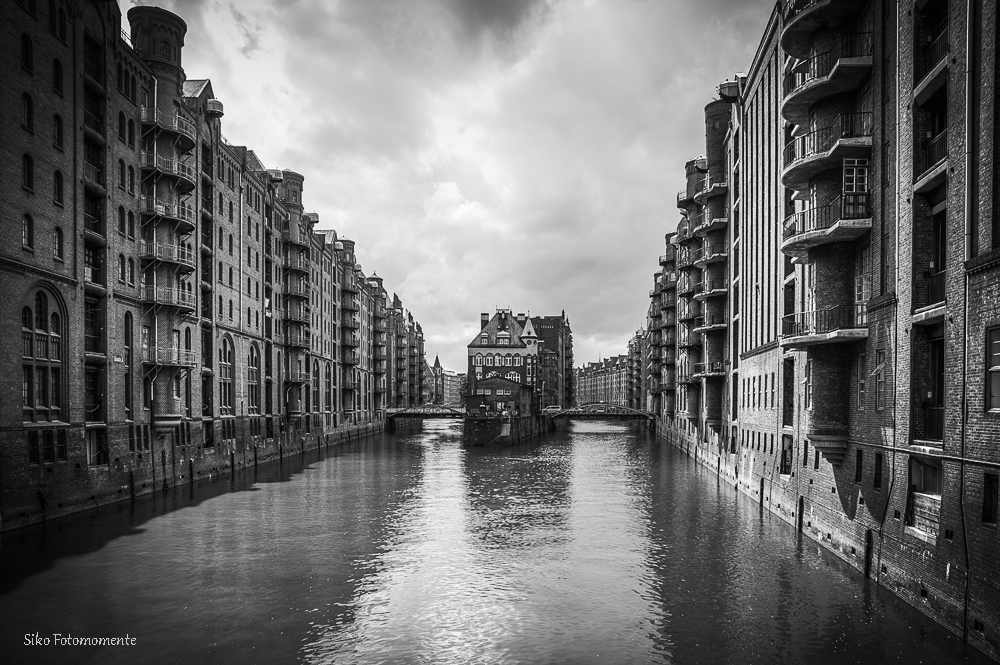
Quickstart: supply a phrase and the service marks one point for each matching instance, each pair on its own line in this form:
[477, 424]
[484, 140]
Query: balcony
[709, 224]
[93, 178]
[93, 348]
[298, 263]
[166, 296]
[850, 135]
[835, 325]
[932, 68]
[93, 124]
[349, 286]
[296, 290]
[350, 339]
[930, 301]
[294, 238]
[183, 172]
[666, 259]
[683, 198]
[930, 162]
[297, 340]
[841, 69]
[710, 253]
[669, 356]
[171, 357]
[181, 212]
[710, 188]
[93, 230]
[172, 123]
[688, 340]
[179, 255]
[689, 313]
[684, 375]
[710, 369]
[297, 376]
[804, 17]
[715, 287]
[350, 358]
[349, 305]
[711, 323]
[687, 286]
[296, 316]
[684, 258]
[846, 218]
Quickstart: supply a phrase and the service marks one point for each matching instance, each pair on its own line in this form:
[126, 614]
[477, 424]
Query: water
[599, 545]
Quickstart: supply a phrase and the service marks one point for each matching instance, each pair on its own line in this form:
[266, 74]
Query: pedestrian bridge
[426, 411]
[602, 411]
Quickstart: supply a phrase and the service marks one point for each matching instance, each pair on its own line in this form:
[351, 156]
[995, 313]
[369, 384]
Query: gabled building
[503, 366]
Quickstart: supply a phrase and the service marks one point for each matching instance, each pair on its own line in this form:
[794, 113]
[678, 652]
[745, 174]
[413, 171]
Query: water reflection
[595, 545]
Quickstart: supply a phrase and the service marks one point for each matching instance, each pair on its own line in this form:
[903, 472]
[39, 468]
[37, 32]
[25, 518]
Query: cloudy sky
[522, 154]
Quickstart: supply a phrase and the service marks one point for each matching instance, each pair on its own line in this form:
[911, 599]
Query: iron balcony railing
[932, 152]
[165, 355]
[935, 289]
[298, 263]
[934, 52]
[793, 7]
[822, 321]
[715, 284]
[847, 125]
[94, 173]
[350, 358]
[850, 45]
[845, 206]
[167, 295]
[167, 252]
[93, 224]
[298, 290]
[92, 343]
[169, 121]
[150, 205]
[710, 250]
[149, 160]
[709, 367]
[298, 316]
[93, 121]
[297, 339]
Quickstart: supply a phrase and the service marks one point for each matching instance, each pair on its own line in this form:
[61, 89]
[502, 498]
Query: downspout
[966, 255]
[895, 321]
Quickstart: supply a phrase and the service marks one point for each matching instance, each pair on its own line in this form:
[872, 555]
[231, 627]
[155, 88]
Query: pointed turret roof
[529, 330]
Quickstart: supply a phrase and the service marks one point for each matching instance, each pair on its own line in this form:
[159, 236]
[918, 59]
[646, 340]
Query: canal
[597, 545]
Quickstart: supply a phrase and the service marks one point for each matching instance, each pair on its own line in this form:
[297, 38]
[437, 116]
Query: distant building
[604, 381]
[503, 366]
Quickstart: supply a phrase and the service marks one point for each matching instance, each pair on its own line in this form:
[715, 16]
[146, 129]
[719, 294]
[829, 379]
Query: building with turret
[181, 313]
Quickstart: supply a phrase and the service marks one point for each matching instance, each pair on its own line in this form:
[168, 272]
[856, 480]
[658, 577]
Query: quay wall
[166, 465]
[860, 525]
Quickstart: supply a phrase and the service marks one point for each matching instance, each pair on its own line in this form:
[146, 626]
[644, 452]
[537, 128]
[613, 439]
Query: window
[27, 112]
[165, 50]
[57, 244]
[879, 379]
[862, 368]
[131, 225]
[805, 454]
[787, 453]
[128, 370]
[41, 334]
[57, 131]
[28, 173]
[226, 376]
[877, 481]
[122, 132]
[57, 188]
[131, 272]
[990, 487]
[131, 180]
[807, 383]
[27, 53]
[993, 369]
[28, 232]
[121, 174]
[859, 465]
[121, 220]
[121, 76]
[57, 77]
[121, 268]
[131, 133]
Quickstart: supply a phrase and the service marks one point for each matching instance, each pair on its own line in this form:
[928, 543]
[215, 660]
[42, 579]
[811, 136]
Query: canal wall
[169, 461]
[860, 525]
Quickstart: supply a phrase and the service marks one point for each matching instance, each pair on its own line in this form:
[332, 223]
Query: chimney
[484, 318]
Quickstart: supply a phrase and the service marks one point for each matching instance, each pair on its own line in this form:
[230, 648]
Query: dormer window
[484, 339]
[503, 341]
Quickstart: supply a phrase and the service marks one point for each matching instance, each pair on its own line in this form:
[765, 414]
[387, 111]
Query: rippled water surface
[598, 545]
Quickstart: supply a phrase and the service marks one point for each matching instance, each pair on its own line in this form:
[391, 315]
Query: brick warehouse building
[837, 294]
[180, 313]
[504, 366]
[604, 381]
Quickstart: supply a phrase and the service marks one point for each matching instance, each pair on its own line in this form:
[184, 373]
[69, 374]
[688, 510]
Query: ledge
[928, 538]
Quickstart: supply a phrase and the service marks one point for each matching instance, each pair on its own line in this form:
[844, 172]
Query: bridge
[426, 411]
[602, 411]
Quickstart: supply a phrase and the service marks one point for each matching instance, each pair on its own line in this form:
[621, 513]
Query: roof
[194, 87]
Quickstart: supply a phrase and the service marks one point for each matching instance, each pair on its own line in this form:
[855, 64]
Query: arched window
[121, 174]
[131, 224]
[57, 131]
[230, 310]
[27, 112]
[57, 244]
[121, 126]
[315, 381]
[121, 220]
[328, 403]
[41, 334]
[230, 283]
[165, 50]
[27, 53]
[28, 172]
[226, 376]
[253, 379]
[131, 133]
[28, 232]
[61, 24]
[131, 180]
[131, 92]
[57, 187]
[57, 77]
[131, 272]
[489, 361]
[121, 76]
[121, 268]
[478, 360]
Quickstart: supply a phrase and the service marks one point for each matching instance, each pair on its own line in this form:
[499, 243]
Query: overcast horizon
[523, 154]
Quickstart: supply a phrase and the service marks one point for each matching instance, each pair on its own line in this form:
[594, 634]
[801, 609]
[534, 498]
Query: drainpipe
[966, 255]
